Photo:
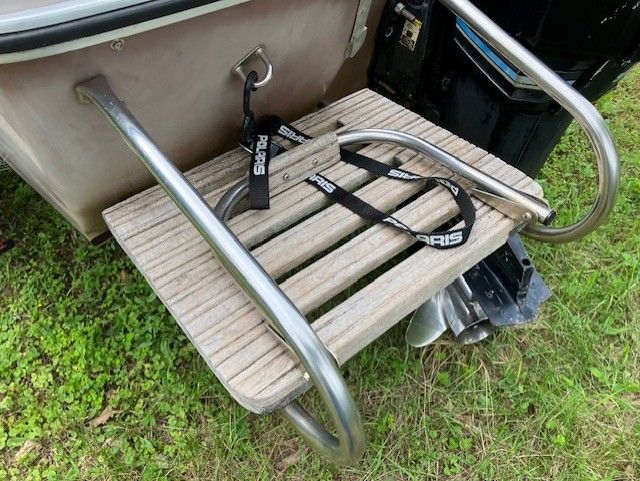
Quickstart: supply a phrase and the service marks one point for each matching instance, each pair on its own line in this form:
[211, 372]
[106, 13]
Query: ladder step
[318, 251]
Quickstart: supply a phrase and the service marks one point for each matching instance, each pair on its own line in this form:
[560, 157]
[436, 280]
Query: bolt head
[117, 44]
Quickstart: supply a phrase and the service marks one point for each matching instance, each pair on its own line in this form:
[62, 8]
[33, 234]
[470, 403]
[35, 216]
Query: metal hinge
[359, 33]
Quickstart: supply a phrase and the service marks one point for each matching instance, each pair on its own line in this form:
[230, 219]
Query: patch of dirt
[287, 454]
[102, 418]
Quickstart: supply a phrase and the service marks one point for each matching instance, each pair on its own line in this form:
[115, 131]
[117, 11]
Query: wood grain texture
[316, 249]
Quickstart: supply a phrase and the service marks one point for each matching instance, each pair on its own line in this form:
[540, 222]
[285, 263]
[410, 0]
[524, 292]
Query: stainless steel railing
[348, 446]
[569, 98]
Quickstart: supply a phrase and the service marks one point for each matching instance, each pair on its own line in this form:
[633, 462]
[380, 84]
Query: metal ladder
[347, 445]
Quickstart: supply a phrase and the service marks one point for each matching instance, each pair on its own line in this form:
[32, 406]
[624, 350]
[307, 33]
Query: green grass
[560, 399]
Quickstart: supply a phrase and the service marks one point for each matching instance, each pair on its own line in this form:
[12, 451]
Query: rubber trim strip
[86, 27]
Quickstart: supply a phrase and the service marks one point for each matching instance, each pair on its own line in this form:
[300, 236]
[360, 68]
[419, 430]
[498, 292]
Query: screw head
[117, 44]
[286, 176]
[527, 217]
[315, 161]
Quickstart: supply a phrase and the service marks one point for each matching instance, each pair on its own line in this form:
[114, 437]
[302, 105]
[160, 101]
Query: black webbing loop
[248, 124]
[262, 152]
[259, 173]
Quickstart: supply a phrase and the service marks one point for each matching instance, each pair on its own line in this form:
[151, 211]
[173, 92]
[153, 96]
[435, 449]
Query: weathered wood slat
[243, 368]
[301, 225]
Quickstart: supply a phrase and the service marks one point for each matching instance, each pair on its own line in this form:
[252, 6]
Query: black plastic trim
[16, 42]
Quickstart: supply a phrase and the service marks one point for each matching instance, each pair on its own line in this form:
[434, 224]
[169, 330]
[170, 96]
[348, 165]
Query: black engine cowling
[441, 69]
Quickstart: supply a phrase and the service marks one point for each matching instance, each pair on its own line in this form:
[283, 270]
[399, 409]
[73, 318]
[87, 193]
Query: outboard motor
[439, 67]
[435, 64]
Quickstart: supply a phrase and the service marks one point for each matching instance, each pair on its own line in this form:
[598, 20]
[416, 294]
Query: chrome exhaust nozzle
[453, 309]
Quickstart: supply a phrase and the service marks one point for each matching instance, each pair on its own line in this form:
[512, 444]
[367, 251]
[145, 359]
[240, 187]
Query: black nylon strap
[445, 239]
[261, 154]
[259, 173]
[259, 185]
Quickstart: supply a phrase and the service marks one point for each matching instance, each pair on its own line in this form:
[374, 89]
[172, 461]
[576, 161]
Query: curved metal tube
[309, 429]
[278, 309]
[569, 98]
[230, 198]
[542, 211]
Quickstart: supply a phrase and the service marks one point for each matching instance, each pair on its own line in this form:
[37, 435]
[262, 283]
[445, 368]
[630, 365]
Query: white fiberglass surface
[18, 16]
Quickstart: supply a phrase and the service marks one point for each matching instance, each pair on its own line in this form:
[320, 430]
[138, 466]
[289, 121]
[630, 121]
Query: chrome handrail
[309, 429]
[569, 98]
[348, 446]
[542, 213]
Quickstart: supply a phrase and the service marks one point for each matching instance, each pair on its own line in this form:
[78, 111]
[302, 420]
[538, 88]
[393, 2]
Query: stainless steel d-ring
[569, 98]
[258, 52]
